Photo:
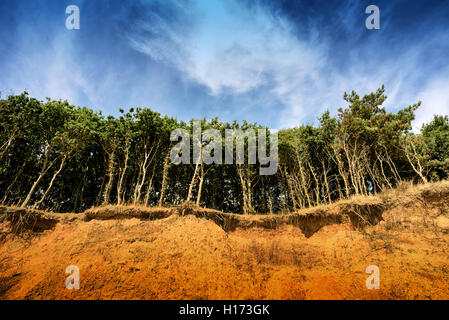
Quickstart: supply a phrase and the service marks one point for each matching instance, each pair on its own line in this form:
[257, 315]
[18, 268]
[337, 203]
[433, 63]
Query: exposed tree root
[359, 212]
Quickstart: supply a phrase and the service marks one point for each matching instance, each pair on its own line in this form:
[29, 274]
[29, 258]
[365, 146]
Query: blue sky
[278, 63]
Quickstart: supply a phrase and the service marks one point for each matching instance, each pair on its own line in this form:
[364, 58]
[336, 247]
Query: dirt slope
[195, 253]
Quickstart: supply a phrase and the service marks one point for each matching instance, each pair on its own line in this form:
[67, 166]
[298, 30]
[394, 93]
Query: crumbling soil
[189, 252]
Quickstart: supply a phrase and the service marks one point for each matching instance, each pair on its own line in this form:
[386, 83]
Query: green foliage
[68, 158]
[435, 137]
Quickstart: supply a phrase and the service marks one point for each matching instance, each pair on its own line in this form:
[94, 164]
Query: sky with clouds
[276, 62]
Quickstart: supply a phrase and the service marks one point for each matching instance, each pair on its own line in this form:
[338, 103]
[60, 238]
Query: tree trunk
[141, 177]
[107, 192]
[243, 183]
[270, 203]
[303, 179]
[167, 165]
[143, 169]
[193, 181]
[249, 189]
[317, 183]
[5, 197]
[7, 145]
[97, 201]
[326, 183]
[122, 176]
[264, 198]
[343, 173]
[150, 184]
[413, 159]
[37, 204]
[45, 168]
[200, 186]
[290, 189]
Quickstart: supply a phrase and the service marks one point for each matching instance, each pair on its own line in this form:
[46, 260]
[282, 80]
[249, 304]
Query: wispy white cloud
[227, 58]
[238, 52]
[231, 49]
[435, 100]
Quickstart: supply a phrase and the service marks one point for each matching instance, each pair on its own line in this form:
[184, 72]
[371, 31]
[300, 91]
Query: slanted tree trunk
[80, 192]
[381, 160]
[317, 183]
[138, 182]
[416, 162]
[141, 176]
[200, 186]
[100, 193]
[122, 176]
[18, 175]
[243, 183]
[416, 166]
[4, 148]
[37, 204]
[111, 169]
[45, 167]
[150, 184]
[351, 169]
[326, 183]
[143, 168]
[304, 183]
[264, 198]
[270, 203]
[244, 173]
[392, 166]
[249, 188]
[167, 165]
[195, 174]
[290, 188]
[341, 170]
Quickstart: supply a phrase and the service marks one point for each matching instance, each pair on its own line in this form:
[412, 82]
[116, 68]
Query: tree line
[56, 156]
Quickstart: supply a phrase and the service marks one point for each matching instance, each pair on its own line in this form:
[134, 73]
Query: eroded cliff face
[194, 253]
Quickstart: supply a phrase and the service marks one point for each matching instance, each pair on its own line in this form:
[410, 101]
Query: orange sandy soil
[185, 257]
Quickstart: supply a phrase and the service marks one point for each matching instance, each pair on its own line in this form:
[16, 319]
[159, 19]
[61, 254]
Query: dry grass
[25, 222]
[126, 212]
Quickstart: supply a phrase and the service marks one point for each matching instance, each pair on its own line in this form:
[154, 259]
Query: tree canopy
[56, 156]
